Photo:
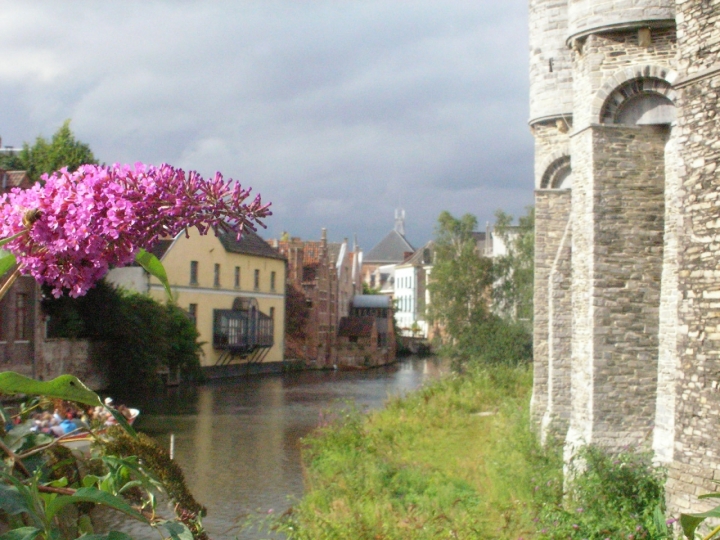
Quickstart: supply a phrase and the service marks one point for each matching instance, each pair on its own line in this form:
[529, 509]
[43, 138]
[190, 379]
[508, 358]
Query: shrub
[137, 334]
[491, 341]
[611, 496]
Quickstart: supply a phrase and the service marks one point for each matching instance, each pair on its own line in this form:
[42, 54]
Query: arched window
[558, 175]
[640, 102]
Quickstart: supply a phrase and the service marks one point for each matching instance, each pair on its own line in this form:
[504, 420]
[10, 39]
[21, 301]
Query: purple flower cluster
[82, 223]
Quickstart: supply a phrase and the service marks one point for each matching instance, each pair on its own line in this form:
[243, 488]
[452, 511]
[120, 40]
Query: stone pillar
[617, 249]
[664, 434]
[557, 416]
[550, 379]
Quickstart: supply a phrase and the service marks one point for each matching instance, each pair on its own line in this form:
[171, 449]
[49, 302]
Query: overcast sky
[337, 112]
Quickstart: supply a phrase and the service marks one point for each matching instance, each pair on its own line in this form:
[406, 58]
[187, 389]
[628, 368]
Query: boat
[81, 440]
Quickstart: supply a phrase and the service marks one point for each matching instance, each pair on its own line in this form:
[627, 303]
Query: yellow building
[234, 290]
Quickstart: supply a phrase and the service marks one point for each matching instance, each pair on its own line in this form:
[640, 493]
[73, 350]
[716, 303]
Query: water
[238, 440]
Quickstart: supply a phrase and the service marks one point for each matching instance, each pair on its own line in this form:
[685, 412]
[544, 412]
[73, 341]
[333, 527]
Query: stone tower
[627, 270]
[551, 105]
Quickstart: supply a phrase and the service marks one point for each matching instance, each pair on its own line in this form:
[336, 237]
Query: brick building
[327, 274]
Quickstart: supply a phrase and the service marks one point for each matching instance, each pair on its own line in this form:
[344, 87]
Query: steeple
[400, 221]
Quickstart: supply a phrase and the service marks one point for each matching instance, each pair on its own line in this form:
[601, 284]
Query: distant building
[327, 274]
[366, 337]
[411, 294]
[377, 264]
[233, 289]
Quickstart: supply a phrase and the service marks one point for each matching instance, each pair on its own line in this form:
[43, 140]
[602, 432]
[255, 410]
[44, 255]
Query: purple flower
[80, 224]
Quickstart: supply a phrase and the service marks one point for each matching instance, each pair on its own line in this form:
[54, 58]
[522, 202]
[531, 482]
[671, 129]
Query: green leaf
[23, 533]
[112, 535]
[11, 500]
[690, 522]
[154, 267]
[177, 530]
[7, 261]
[65, 387]
[96, 496]
[120, 419]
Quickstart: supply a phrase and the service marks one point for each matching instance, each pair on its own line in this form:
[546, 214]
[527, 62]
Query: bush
[611, 496]
[137, 334]
[491, 341]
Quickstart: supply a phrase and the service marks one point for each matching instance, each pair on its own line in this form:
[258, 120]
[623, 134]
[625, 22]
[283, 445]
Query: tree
[514, 271]
[461, 277]
[461, 292]
[63, 150]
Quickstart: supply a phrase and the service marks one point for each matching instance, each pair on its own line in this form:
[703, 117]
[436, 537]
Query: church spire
[400, 221]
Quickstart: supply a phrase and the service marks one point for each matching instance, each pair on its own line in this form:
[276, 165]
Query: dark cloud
[337, 112]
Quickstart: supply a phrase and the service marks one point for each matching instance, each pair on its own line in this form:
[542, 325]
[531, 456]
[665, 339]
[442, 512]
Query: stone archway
[558, 175]
[630, 82]
[645, 101]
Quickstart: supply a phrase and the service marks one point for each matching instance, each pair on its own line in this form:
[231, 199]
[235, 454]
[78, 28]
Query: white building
[411, 292]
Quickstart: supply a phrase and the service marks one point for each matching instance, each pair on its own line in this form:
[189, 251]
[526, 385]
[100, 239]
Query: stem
[13, 237]
[712, 533]
[59, 491]
[16, 461]
[9, 282]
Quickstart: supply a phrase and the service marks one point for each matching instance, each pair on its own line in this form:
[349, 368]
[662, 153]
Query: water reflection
[238, 440]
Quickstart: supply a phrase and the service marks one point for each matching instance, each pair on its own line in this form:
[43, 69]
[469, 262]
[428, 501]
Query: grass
[458, 460]
[454, 460]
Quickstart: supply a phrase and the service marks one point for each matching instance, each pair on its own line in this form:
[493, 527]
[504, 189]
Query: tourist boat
[81, 441]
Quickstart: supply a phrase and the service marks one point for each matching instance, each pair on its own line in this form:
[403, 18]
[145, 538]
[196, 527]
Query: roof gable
[249, 244]
[391, 249]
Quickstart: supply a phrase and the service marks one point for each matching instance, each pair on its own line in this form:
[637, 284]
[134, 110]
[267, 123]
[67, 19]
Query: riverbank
[457, 459]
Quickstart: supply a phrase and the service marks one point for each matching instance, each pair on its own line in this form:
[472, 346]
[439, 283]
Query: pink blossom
[80, 224]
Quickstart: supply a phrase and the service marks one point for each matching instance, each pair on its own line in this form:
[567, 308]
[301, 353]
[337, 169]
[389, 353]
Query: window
[193, 272]
[216, 278]
[272, 313]
[192, 312]
[272, 281]
[237, 277]
[21, 313]
[257, 279]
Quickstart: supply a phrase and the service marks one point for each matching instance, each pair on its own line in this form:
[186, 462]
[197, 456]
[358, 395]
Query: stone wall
[551, 377]
[641, 247]
[628, 197]
[552, 142]
[594, 16]
[557, 416]
[601, 64]
[76, 357]
[664, 435]
[695, 468]
[550, 74]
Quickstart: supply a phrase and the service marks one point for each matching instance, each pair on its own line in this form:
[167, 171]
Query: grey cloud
[336, 111]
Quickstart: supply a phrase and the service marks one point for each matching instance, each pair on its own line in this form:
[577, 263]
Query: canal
[238, 440]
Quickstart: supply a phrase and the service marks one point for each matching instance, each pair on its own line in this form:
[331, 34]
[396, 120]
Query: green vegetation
[483, 305]
[135, 334]
[47, 490]
[62, 150]
[453, 460]
[458, 460]
[514, 271]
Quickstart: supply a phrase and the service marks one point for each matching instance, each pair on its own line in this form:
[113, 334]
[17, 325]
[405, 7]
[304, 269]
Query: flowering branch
[69, 231]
